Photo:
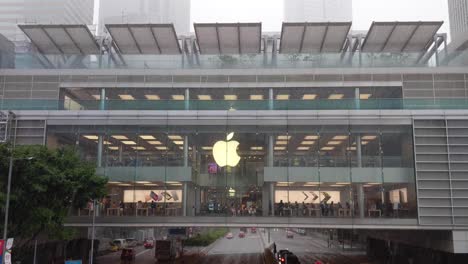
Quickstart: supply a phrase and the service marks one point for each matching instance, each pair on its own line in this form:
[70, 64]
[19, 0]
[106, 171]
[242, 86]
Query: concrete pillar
[361, 204]
[99, 151]
[186, 151]
[272, 198]
[184, 201]
[270, 157]
[120, 153]
[358, 150]
[357, 98]
[102, 99]
[270, 99]
[187, 99]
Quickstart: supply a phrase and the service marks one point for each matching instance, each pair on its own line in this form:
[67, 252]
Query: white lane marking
[143, 252]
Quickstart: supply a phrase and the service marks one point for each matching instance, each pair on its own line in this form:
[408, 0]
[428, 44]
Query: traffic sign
[73, 262]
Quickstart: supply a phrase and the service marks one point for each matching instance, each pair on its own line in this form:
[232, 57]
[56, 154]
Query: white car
[229, 235]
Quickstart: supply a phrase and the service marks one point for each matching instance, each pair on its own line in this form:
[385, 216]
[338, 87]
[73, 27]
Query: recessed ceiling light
[256, 97]
[152, 97]
[343, 183]
[118, 137]
[126, 97]
[204, 97]
[335, 96]
[155, 142]
[138, 148]
[364, 96]
[351, 148]
[286, 182]
[91, 137]
[147, 137]
[309, 96]
[161, 147]
[113, 148]
[311, 137]
[336, 185]
[334, 143]
[282, 97]
[364, 142]
[150, 184]
[178, 97]
[374, 183]
[173, 182]
[281, 142]
[96, 96]
[230, 97]
[125, 184]
[369, 137]
[114, 182]
[107, 142]
[303, 148]
[313, 183]
[310, 185]
[284, 137]
[175, 137]
[307, 142]
[178, 142]
[340, 137]
[143, 182]
[280, 148]
[207, 148]
[129, 142]
[328, 148]
[256, 148]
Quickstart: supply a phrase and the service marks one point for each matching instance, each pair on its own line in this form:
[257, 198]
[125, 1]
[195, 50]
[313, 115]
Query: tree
[44, 189]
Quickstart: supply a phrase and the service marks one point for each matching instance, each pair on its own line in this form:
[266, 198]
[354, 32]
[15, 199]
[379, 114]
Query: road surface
[142, 256]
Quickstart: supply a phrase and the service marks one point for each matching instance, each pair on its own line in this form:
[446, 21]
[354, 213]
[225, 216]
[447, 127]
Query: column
[184, 201]
[186, 150]
[102, 99]
[270, 99]
[357, 98]
[187, 99]
[360, 188]
[270, 163]
[99, 151]
[272, 198]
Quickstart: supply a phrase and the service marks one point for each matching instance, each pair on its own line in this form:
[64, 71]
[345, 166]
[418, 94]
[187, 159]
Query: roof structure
[314, 37]
[229, 38]
[400, 36]
[145, 38]
[61, 39]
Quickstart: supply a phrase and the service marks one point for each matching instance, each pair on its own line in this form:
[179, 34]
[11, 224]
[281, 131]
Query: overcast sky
[270, 12]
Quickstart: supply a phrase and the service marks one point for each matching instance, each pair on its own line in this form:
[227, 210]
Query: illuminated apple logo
[225, 152]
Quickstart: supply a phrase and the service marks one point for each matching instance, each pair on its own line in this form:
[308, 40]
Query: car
[118, 244]
[290, 258]
[253, 230]
[229, 235]
[128, 254]
[131, 242]
[289, 234]
[281, 253]
[149, 243]
[241, 234]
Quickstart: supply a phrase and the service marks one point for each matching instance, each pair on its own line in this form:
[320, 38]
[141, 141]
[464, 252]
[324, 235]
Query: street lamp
[7, 203]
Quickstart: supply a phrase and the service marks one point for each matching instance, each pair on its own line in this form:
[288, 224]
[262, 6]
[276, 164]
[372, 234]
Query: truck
[164, 250]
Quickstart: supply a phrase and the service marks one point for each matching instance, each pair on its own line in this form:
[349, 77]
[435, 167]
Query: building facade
[42, 12]
[458, 15]
[318, 10]
[176, 12]
[311, 128]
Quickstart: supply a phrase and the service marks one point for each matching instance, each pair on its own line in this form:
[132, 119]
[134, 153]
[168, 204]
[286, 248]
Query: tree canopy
[45, 188]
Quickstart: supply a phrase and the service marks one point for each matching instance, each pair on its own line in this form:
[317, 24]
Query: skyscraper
[318, 10]
[146, 11]
[42, 11]
[458, 14]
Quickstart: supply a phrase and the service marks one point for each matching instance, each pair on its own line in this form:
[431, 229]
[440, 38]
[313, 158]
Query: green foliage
[45, 188]
[205, 239]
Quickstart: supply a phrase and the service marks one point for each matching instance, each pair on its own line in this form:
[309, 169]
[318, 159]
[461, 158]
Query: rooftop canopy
[400, 36]
[313, 37]
[61, 39]
[228, 38]
[145, 38]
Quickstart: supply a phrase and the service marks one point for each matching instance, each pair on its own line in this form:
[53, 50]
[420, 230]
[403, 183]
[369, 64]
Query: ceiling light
[91, 137]
[339, 137]
[328, 148]
[343, 183]
[113, 148]
[303, 148]
[155, 142]
[96, 96]
[256, 97]
[152, 97]
[373, 183]
[161, 147]
[230, 97]
[114, 182]
[309, 96]
[351, 148]
[207, 148]
[143, 182]
[129, 142]
[175, 137]
[178, 97]
[173, 182]
[281, 142]
[313, 183]
[284, 137]
[125, 184]
[181, 147]
[126, 97]
[335, 96]
[147, 137]
[285, 182]
[178, 142]
[282, 97]
[120, 137]
[151, 184]
[307, 142]
[334, 143]
[176, 184]
[310, 137]
[107, 142]
[364, 96]
[138, 148]
[310, 185]
[364, 142]
[369, 137]
[336, 185]
[280, 148]
[204, 97]
[256, 148]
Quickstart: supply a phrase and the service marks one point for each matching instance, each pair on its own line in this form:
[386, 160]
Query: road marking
[143, 252]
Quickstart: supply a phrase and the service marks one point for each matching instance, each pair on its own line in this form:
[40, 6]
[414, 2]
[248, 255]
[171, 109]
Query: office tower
[318, 10]
[458, 15]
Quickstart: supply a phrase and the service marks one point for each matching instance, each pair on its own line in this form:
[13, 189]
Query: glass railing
[198, 105]
[235, 61]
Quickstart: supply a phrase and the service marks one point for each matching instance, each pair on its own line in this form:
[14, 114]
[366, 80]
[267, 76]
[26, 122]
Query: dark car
[281, 253]
[128, 254]
[289, 258]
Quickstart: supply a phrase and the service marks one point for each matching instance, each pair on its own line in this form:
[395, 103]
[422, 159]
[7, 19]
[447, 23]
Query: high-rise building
[15, 12]
[318, 10]
[146, 11]
[458, 15]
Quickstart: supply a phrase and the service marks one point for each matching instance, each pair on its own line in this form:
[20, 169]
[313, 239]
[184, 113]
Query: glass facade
[234, 170]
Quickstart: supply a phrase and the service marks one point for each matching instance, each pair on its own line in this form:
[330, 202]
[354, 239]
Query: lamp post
[7, 202]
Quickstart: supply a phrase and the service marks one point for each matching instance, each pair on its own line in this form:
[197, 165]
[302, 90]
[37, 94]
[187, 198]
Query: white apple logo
[225, 152]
